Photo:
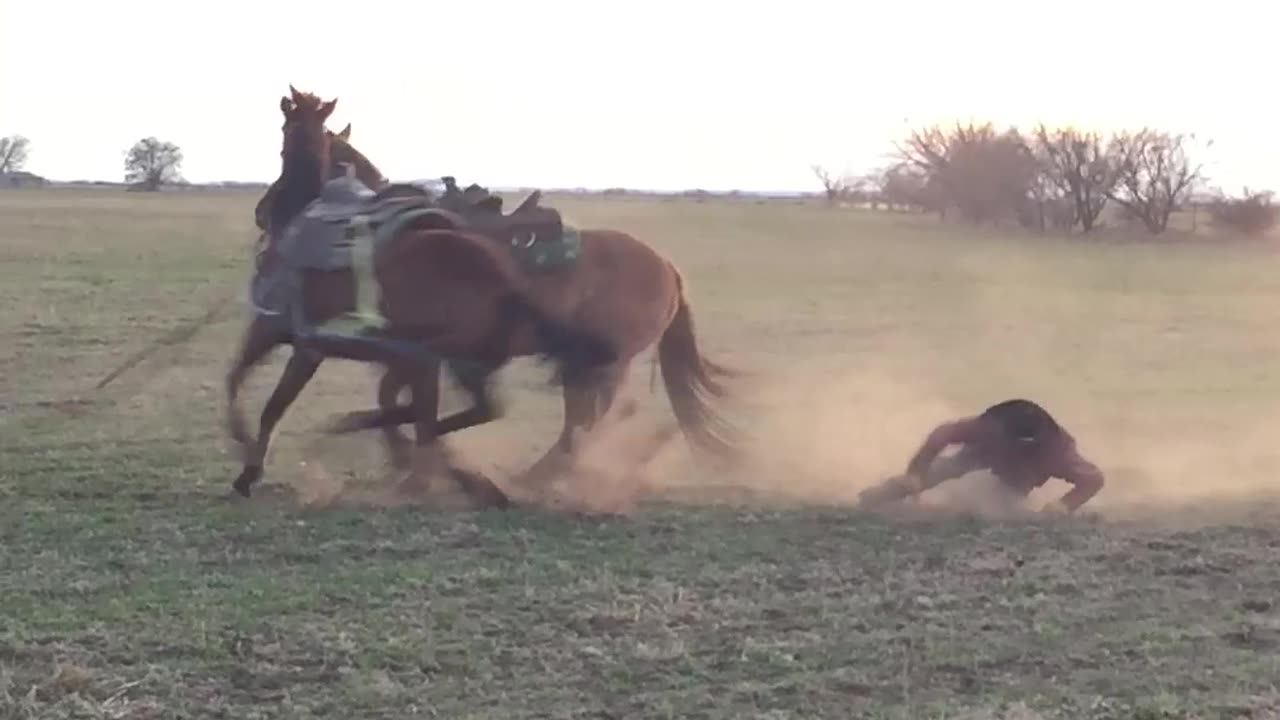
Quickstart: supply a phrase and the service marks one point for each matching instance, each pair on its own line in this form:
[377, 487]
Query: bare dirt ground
[130, 589]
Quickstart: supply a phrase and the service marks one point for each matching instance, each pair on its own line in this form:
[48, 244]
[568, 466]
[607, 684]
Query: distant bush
[1250, 214]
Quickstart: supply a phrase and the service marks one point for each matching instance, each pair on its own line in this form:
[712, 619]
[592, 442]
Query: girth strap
[366, 285]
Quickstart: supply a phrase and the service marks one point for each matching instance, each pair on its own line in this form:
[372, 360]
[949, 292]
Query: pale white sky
[665, 94]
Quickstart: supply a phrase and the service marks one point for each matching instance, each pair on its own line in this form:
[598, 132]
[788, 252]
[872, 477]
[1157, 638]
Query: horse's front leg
[297, 373]
[260, 338]
[393, 381]
[424, 401]
[474, 379]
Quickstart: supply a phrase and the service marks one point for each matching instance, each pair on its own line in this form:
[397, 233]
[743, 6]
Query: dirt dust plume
[823, 434]
[612, 469]
[1214, 473]
[615, 465]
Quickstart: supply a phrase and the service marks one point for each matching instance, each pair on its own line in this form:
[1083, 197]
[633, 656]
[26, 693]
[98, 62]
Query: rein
[185, 331]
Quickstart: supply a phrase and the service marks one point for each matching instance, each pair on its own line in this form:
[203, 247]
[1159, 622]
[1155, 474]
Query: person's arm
[1085, 477]
[949, 433]
[917, 479]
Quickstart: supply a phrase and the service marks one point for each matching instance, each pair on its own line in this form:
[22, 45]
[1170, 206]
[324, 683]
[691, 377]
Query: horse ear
[326, 109]
[286, 105]
[345, 134]
[297, 96]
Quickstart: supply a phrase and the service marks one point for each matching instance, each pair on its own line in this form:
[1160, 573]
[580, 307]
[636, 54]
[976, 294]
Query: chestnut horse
[266, 332]
[446, 295]
[619, 288]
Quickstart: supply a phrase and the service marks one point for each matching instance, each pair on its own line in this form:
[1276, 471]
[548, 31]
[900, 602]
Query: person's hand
[913, 483]
[896, 488]
[872, 496]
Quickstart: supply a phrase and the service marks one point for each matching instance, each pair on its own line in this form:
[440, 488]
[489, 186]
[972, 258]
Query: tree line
[1048, 179]
[149, 163]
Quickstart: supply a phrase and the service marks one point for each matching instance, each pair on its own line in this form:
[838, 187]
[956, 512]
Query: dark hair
[1023, 420]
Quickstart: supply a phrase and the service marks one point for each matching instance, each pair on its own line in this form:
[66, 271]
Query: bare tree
[984, 173]
[906, 186]
[1251, 213]
[862, 188]
[833, 186]
[151, 163]
[14, 151]
[1154, 175]
[1079, 168]
[1047, 206]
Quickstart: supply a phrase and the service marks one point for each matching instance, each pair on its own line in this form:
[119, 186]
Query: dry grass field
[130, 589]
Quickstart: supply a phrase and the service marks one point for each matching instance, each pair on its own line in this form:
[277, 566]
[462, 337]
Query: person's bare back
[1017, 440]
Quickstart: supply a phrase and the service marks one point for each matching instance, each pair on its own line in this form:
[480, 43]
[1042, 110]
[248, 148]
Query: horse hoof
[232, 497]
[244, 484]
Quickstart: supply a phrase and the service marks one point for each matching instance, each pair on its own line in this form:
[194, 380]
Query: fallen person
[1017, 441]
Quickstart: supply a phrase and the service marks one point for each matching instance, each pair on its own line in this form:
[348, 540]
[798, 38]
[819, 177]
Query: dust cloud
[820, 434]
[1212, 474]
[611, 470]
[826, 435]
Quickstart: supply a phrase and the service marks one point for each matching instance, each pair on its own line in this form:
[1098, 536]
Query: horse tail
[690, 378]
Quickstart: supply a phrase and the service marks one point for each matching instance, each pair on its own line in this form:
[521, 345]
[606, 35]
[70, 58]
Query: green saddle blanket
[537, 253]
[535, 234]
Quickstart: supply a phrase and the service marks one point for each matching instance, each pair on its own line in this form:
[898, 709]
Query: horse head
[304, 155]
[342, 152]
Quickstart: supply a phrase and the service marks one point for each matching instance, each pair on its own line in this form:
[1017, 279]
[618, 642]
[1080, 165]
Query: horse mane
[368, 173]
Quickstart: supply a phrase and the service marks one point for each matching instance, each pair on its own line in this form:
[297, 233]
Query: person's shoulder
[1065, 443]
[1065, 436]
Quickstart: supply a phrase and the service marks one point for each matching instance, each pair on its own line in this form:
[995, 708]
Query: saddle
[323, 236]
[339, 230]
[535, 234]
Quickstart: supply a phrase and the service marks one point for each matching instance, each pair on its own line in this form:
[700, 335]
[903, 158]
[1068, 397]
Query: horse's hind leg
[297, 373]
[607, 384]
[585, 402]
